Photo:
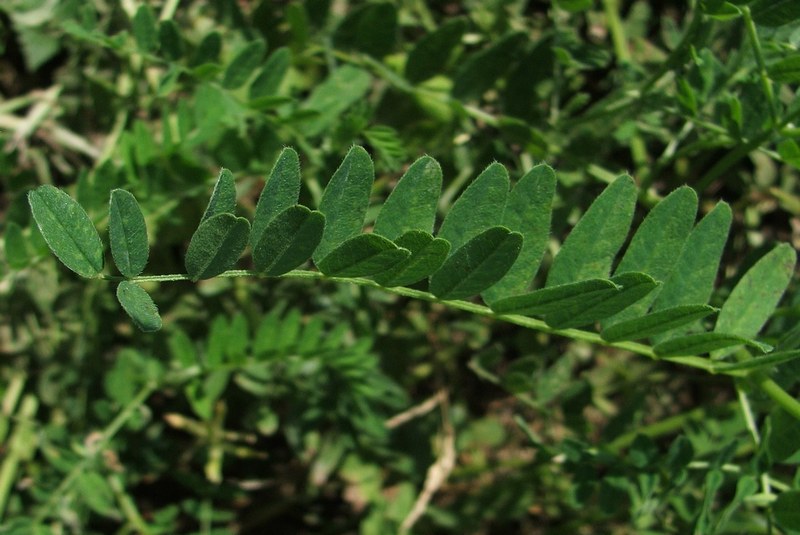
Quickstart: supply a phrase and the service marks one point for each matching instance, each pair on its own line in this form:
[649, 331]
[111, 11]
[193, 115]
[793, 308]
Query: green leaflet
[243, 64]
[362, 256]
[216, 246]
[478, 208]
[657, 244]
[783, 440]
[633, 287]
[775, 13]
[755, 297]
[281, 191]
[288, 240]
[429, 56]
[67, 229]
[656, 322]
[548, 300]
[787, 70]
[528, 211]
[169, 37]
[223, 198]
[127, 233]
[589, 250]
[139, 306]
[692, 279]
[478, 264]
[272, 74]
[696, 344]
[773, 359]
[144, 29]
[370, 28]
[412, 203]
[786, 508]
[345, 200]
[427, 255]
[16, 250]
[344, 87]
[481, 70]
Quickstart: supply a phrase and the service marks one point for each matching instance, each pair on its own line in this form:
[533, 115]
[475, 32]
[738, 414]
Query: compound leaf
[139, 306]
[427, 255]
[281, 191]
[216, 245]
[288, 240]
[243, 64]
[589, 250]
[478, 264]
[528, 211]
[67, 229]
[223, 198]
[345, 200]
[362, 256]
[412, 203]
[554, 298]
[127, 233]
[656, 322]
[696, 344]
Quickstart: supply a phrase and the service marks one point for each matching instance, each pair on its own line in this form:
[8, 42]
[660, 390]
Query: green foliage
[127, 233]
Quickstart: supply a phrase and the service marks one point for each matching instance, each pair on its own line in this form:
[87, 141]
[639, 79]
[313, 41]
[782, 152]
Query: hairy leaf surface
[697, 344]
[412, 203]
[555, 298]
[427, 255]
[656, 322]
[362, 256]
[127, 233]
[289, 240]
[216, 245]
[281, 191]
[223, 198]
[138, 304]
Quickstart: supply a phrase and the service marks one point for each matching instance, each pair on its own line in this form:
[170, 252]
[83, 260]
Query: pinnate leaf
[127, 233]
[223, 198]
[139, 306]
[590, 248]
[554, 298]
[345, 200]
[216, 245]
[478, 264]
[280, 192]
[412, 203]
[427, 255]
[288, 240]
[696, 344]
[67, 229]
[362, 256]
[656, 322]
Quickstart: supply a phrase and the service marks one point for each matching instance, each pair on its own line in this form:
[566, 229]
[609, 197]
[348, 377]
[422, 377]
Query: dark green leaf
[478, 264]
[288, 240]
[697, 344]
[481, 70]
[786, 70]
[139, 306]
[370, 28]
[144, 29]
[427, 255]
[590, 248]
[127, 233]
[343, 87]
[633, 287]
[412, 203]
[783, 441]
[243, 64]
[16, 250]
[362, 256]
[345, 201]
[216, 245]
[528, 211]
[478, 208]
[96, 493]
[657, 244]
[767, 361]
[208, 50]
[68, 230]
[775, 13]
[553, 299]
[223, 198]
[656, 322]
[431, 53]
[281, 191]
[171, 41]
[787, 508]
[272, 73]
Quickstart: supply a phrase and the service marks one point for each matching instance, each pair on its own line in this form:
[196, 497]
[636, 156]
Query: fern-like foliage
[490, 244]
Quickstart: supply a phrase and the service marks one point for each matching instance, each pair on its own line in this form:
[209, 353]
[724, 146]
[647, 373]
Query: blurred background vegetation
[307, 407]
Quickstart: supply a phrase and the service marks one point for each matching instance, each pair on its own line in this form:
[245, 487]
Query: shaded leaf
[478, 208]
[345, 201]
[429, 56]
[281, 191]
[216, 245]
[243, 64]
[767, 361]
[95, 491]
[144, 29]
[786, 70]
[370, 28]
[223, 198]
[67, 229]
[412, 203]
[590, 248]
[272, 74]
[528, 211]
[343, 87]
[656, 322]
[127, 233]
[15, 247]
[481, 70]
[697, 344]
[362, 256]
[427, 255]
[787, 508]
[169, 37]
[288, 240]
[208, 50]
[478, 264]
[775, 13]
[139, 306]
[783, 441]
[554, 298]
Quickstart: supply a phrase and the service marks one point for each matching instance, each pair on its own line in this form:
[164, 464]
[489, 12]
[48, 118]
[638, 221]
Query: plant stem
[752, 34]
[20, 447]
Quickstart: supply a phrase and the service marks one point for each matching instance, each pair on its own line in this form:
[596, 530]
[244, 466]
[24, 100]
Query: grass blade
[656, 322]
[477, 265]
[281, 191]
[216, 245]
[362, 256]
[127, 233]
[412, 203]
[223, 198]
[138, 304]
[67, 229]
[288, 240]
[427, 255]
[590, 248]
[549, 300]
[345, 200]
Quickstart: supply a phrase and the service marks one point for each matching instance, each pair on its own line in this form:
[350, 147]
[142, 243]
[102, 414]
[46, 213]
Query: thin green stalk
[778, 394]
[21, 447]
[752, 35]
